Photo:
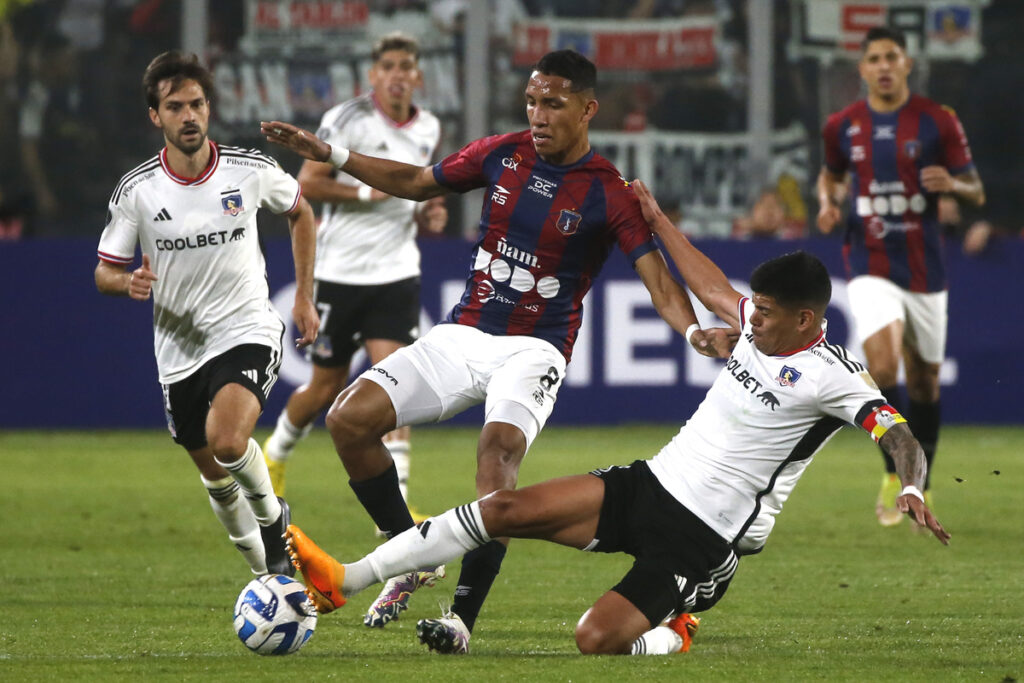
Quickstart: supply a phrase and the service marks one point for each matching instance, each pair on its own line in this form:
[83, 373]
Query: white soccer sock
[434, 542]
[400, 454]
[250, 471]
[237, 518]
[660, 640]
[284, 438]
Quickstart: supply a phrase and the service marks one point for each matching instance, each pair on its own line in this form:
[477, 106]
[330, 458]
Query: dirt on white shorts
[454, 367]
[875, 302]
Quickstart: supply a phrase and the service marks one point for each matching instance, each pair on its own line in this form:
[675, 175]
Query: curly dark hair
[177, 67]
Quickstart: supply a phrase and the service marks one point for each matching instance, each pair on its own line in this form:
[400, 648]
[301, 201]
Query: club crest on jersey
[568, 222]
[231, 201]
[788, 376]
[912, 149]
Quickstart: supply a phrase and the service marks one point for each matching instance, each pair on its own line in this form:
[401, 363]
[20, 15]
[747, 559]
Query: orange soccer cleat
[686, 626]
[323, 575]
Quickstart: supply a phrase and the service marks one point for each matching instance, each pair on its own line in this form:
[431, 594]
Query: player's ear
[589, 110]
[155, 117]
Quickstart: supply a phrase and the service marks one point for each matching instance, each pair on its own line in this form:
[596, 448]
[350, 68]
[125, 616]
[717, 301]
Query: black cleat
[274, 544]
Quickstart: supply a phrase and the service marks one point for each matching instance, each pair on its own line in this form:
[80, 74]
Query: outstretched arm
[704, 278]
[302, 226]
[899, 444]
[391, 177]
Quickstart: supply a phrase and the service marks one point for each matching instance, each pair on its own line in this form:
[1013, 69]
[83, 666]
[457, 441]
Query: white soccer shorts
[875, 302]
[454, 367]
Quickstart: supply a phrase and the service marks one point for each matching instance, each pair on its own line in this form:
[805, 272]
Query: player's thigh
[394, 314]
[523, 386]
[563, 510]
[186, 404]
[240, 381]
[429, 380]
[611, 625]
[875, 303]
[927, 321]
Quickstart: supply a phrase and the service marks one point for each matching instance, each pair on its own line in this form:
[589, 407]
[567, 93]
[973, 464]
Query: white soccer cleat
[447, 635]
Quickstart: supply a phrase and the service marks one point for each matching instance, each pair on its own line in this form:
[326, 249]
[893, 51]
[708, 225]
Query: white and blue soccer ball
[273, 615]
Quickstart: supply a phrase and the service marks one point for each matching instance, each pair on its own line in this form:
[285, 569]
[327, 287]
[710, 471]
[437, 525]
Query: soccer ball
[273, 616]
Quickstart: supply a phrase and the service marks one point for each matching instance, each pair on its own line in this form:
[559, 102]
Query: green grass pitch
[113, 568]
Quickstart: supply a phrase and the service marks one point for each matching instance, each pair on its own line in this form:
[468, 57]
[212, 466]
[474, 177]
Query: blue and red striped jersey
[892, 229]
[545, 233]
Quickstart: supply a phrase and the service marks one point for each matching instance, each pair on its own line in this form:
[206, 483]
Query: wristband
[338, 157]
[913, 491]
[689, 333]
[364, 193]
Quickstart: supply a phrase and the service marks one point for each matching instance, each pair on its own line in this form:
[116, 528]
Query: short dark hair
[177, 67]
[396, 40]
[569, 64]
[884, 33]
[795, 280]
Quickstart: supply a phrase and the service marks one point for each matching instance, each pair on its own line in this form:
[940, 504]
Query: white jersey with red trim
[211, 291]
[372, 243]
[736, 461]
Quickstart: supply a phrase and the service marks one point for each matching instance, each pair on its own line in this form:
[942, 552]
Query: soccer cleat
[274, 544]
[417, 517]
[394, 598]
[447, 635]
[276, 469]
[686, 626]
[323, 575]
[885, 506]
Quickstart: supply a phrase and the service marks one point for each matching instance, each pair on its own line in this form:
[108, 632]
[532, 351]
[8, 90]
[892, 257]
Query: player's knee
[352, 421]
[503, 512]
[885, 374]
[592, 639]
[227, 445]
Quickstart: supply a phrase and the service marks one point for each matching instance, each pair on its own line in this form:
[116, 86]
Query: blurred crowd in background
[73, 118]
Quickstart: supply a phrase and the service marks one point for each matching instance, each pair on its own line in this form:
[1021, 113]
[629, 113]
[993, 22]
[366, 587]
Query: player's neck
[887, 105]
[569, 156]
[189, 165]
[399, 112]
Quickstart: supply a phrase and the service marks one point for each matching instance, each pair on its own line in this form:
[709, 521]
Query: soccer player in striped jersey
[708, 497]
[192, 208]
[368, 267]
[553, 209]
[896, 153]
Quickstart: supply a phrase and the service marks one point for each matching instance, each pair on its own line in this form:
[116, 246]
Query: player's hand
[715, 342]
[432, 215]
[307, 321]
[296, 139]
[655, 217]
[140, 282]
[911, 505]
[936, 179]
[828, 217]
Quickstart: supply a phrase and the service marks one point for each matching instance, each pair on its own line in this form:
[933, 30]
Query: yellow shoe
[686, 626]
[276, 469]
[885, 506]
[323, 575]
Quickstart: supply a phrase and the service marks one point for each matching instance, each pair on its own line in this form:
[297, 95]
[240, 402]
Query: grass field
[113, 567]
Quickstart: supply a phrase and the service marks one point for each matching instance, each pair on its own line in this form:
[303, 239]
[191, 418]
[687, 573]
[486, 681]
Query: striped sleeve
[120, 235]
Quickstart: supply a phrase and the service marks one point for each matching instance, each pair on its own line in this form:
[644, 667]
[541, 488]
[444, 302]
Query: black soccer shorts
[351, 314]
[187, 403]
[681, 564]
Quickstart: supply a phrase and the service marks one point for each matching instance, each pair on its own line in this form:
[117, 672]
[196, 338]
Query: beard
[189, 148]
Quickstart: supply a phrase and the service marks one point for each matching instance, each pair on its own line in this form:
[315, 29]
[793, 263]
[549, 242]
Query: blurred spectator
[768, 219]
[13, 197]
[60, 151]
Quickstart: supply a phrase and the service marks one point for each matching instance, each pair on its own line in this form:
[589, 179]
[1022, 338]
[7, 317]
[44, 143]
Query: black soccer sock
[894, 397]
[480, 567]
[924, 423]
[382, 498]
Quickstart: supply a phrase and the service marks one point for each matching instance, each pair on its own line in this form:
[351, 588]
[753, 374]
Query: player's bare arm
[391, 177]
[302, 226]
[831, 189]
[705, 279]
[966, 186]
[899, 443]
[116, 280]
[673, 305]
[319, 184]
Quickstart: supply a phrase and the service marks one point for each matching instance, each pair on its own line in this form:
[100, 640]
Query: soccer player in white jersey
[192, 208]
[368, 266]
[710, 495]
